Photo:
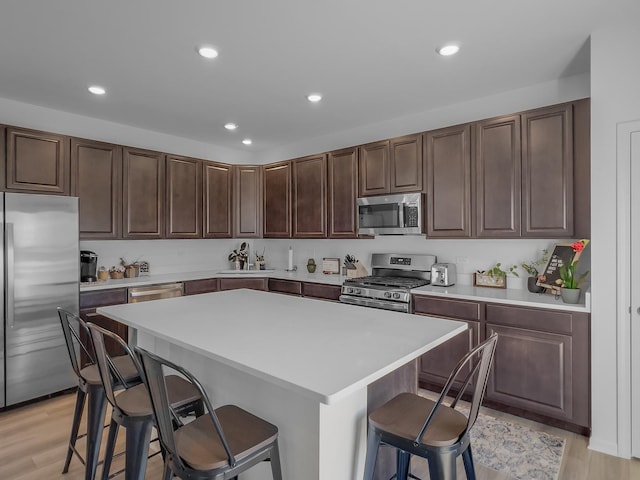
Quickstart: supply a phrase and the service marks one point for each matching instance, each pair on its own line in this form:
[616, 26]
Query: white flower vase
[238, 265]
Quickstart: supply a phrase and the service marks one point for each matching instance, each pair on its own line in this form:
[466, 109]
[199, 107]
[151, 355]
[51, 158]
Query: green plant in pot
[570, 281]
[496, 276]
[532, 269]
[240, 256]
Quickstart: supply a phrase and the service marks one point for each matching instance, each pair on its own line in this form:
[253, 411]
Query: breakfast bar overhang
[304, 365]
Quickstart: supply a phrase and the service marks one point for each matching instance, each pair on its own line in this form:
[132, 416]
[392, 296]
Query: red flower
[577, 246]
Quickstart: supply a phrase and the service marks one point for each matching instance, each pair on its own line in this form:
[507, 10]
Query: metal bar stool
[220, 444]
[415, 425]
[131, 407]
[89, 388]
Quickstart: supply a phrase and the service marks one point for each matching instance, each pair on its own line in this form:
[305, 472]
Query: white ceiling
[373, 60]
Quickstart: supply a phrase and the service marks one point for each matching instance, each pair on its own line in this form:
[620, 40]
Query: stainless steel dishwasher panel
[155, 292]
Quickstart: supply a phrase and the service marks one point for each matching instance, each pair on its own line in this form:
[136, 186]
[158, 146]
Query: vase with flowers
[569, 280]
[240, 256]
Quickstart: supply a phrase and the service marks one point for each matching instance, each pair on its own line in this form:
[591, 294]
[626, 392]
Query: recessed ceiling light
[247, 141]
[450, 49]
[207, 52]
[97, 90]
[230, 126]
[314, 97]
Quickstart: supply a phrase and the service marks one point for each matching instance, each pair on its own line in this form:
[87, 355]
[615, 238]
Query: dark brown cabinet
[143, 193]
[448, 182]
[37, 162]
[89, 302]
[323, 291]
[497, 177]
[547, 172]
[342, 169]
[373, 168]
[205, 285]
[437, 364]
[290, 287]
[218, 181]
[405, 164]
[235, 283]
[309, 202]
[277, 200]
[96, 179]
[184, 197]
[247, 203]
[541, 363]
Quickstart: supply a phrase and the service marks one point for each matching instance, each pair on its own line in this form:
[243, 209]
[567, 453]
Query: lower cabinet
[89, 302]
[207, 285]
[235, 283]
[290, 287]
[322, 291]
[437, 364]
[541, 364]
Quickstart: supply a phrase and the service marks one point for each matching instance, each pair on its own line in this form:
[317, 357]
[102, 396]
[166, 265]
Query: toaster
[443, 274]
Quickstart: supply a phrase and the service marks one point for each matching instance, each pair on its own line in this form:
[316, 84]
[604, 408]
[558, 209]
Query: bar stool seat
[123, 363]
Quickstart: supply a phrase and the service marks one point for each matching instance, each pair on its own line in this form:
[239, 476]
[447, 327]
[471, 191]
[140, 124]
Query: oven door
[376, 303]
[390, 215]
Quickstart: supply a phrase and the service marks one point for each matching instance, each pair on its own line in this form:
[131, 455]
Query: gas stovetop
[388, 281]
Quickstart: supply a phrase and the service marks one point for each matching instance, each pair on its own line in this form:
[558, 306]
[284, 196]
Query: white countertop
[323, 350]
[505, 295]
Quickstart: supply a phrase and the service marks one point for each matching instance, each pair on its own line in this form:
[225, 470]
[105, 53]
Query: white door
[635, 290]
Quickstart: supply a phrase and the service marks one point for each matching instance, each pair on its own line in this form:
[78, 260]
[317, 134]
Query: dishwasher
[155, 292]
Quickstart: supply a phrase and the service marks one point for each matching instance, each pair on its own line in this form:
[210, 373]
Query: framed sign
[563, 254]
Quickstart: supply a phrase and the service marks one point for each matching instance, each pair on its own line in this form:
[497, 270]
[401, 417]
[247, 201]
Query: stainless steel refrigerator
[40, 265]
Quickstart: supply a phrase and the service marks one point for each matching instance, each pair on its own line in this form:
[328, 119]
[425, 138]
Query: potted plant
[532, 269]
[496, 276]
[239, 256]
[569, 280]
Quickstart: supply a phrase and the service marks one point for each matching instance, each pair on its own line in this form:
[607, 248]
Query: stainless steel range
[388, 287]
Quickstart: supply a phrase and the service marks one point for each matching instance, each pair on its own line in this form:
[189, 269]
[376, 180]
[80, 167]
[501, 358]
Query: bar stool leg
[402, 464]
[137, 449]
[276, 469]
[110, 448]
[95, 424]
[373, 442]
[77, 417]
[467, 459]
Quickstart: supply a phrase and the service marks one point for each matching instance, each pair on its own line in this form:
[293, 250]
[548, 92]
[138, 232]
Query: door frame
[628, 315]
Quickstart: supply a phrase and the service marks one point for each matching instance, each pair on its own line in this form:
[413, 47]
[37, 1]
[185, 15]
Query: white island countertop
[322, 350]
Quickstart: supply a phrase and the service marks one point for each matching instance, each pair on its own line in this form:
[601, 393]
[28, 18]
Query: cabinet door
[277, 200]
[217, 200]
[374, 168]
[448, 182]
[96, 178]
[498, 177]
[143, 197]
[319, 290]
[582, 168]
[343, 191]
[250, 283]
[290, 287]
[206, 285]
[547, 172]
[184, 197]
[405, 164]
[37, 162]
[247, 202]
[310, 197]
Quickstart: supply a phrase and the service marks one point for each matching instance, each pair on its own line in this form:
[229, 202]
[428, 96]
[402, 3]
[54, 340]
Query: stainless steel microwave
[390, 214]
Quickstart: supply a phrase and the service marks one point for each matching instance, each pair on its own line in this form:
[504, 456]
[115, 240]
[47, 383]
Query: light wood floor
[33, 443]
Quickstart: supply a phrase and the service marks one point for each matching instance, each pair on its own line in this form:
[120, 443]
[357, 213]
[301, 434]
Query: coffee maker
[88, 266]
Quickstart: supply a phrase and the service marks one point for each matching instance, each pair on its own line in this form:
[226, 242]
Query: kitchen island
[305, 365]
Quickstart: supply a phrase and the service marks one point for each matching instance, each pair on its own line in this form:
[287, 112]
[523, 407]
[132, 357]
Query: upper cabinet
[184, 197]
[309, 201]
[342, 170]
[143, 193]
[37, 162]
[218, 180]
[391, 166]
[277, 200]
[96, 178]
[448, 182]
[247, 203]
[547, 172]
[405, 164]
[374, 168]
[497, 177]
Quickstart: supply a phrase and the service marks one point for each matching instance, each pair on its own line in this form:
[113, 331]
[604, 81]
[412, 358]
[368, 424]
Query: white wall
[615, 98]
[21, 114]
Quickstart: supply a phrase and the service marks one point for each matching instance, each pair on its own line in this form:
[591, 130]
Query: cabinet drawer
[193, 287]
[285, 286]
[531, 318]
[102, 298]
[250, 283]
[317, 290]
[425, 305]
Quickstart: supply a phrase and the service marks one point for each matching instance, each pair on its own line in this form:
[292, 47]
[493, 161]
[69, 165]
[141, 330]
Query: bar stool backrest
[72, 325]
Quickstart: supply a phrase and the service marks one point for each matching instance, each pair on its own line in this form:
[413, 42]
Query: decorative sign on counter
[330, 265]
[563, 254]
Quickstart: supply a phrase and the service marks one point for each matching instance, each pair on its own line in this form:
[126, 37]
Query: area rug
[515, 449]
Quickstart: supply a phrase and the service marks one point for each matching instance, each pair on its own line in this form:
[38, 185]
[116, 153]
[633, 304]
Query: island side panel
[404, 379]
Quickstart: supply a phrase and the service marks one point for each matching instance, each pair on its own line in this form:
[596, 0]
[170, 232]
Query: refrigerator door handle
[10, 274]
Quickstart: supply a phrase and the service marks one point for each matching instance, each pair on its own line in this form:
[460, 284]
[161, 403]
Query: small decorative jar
[311, 265]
